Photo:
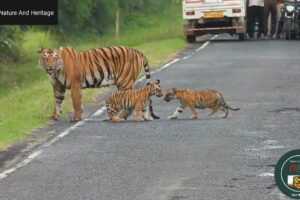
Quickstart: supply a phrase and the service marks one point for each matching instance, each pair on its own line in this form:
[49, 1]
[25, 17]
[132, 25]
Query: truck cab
[214, 17]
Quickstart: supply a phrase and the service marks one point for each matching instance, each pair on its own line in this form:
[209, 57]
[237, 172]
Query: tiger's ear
[40, 49]
[60, 49]
[157, 81]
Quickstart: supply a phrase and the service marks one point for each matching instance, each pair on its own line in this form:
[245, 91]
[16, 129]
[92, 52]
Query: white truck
[214, 17]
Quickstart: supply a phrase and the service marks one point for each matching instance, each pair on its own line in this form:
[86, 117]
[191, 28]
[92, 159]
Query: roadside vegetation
[26, 100]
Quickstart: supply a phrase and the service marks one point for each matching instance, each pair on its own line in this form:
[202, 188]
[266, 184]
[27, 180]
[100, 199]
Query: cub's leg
[76, 99]
[194, 111]
[110, 110]
[124, 113]
[138, 112]
[225, 110]
[59, 95]
[114, 115]
[214, 110]
[113, 112]
[178, 110]
[146, 110]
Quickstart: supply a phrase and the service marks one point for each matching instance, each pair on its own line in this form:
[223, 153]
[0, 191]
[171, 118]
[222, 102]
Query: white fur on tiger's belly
[90, 80]
[62, 79]
[108, 82]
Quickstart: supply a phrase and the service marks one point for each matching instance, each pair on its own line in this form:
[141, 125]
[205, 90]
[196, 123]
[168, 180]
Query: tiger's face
[171, 94]
[51, 61]
[156, 89]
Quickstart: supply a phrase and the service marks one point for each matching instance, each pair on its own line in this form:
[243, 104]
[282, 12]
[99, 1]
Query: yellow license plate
[215, 14]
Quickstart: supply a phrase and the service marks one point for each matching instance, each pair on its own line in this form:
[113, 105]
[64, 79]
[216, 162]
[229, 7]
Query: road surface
[204, 159]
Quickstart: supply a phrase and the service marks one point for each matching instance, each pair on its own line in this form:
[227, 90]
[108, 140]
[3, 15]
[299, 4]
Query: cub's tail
[230, 108]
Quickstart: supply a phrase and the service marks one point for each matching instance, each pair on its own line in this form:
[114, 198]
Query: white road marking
[267, 174]
[203, 46]
[34, 155]
[100, 111]
[64, 133]
[270, 125]
[21, 164]
[206, 43]
[267, 145]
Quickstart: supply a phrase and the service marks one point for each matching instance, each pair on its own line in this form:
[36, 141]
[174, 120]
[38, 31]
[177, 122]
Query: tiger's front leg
[76, 99]
[59, 96]
[178, 110]
[147, 114]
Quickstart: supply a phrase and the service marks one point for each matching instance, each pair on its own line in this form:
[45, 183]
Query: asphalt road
[204, 159]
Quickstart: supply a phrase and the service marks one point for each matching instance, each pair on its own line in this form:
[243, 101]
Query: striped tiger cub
[120, 104]
[76, 70]
[200, 99]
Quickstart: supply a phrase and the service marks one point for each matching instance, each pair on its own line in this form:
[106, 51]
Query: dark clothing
[255, 13]
[279, 1]
[270, 7]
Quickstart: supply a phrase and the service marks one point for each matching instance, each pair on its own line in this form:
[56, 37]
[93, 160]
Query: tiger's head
[51, 60]
[171, 94]
[156, 89]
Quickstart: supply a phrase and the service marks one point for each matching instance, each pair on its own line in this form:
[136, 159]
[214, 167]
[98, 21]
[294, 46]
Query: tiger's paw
[117, 119]
[54, 116]
[172, 117]
[148, 118]
[139, 120]
[74, 119]
[194, 117]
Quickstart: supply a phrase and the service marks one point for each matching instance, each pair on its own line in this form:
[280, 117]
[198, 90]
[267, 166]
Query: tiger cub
[120, 104]
[200, 99]
[93, 68]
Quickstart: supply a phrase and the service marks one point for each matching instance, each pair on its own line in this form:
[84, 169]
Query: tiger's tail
[148, 79]
[230, 108]
[147, 70]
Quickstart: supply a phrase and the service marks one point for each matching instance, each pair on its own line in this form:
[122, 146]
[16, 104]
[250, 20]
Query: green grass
[26, 99]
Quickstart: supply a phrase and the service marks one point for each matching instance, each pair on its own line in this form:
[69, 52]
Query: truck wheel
[191, 38]
[242, 36]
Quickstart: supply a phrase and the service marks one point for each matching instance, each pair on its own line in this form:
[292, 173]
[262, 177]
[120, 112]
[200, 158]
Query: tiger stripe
[119, 104]
[197, 99]
[94, 68]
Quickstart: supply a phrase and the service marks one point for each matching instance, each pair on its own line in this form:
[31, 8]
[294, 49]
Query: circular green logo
[287, 174]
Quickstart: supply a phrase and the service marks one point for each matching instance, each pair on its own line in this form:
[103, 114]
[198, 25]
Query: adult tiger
[99, 67]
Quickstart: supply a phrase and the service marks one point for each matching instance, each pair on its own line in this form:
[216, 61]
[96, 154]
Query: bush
[11, 37]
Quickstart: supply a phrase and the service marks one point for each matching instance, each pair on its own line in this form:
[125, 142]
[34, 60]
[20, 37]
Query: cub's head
[156, 89]
[51, 60]
[171, 94]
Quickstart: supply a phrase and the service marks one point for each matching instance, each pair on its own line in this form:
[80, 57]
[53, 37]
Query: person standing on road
[270, 8]
[279, 25]
[255, 12]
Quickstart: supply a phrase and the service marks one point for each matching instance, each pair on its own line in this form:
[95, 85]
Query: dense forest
[88, 17]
